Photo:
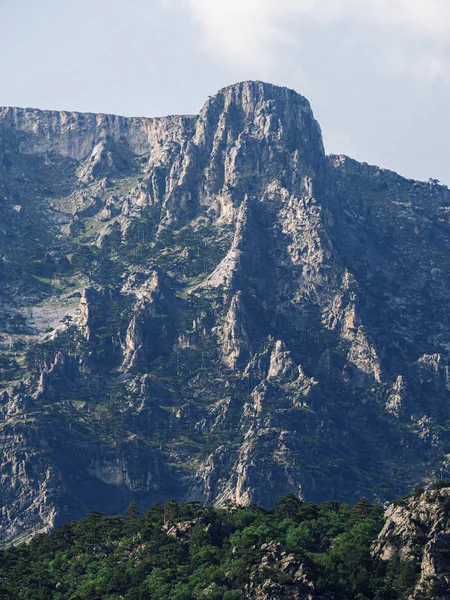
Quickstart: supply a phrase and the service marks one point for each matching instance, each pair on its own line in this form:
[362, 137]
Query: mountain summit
[210, 308]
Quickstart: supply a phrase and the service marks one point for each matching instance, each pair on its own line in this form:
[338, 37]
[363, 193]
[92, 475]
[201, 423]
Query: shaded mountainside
[210, 308]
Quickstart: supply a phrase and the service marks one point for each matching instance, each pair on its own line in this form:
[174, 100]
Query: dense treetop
[186, 551]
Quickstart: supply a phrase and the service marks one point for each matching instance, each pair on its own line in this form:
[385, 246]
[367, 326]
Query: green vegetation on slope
[184, 551]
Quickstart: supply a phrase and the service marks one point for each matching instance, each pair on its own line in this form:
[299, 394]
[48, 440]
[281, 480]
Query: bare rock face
[433, 370]
[234, 338]
[281, 365]
[418, 529]
[75, 135]
[55, 378]
[90, 301]
[107, 159]
[396, 397]
[209, 307]
[150, 329]
[275, 559]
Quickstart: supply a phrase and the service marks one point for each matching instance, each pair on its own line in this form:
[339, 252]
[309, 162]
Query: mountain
[210, 308]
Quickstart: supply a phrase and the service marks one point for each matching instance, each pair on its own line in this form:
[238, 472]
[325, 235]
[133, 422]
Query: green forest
[187, 551]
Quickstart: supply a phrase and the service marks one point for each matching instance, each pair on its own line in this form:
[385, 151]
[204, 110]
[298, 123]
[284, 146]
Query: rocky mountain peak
[263, 125]
[263, 106]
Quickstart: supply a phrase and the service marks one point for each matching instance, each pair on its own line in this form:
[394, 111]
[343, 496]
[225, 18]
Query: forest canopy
[187, 551]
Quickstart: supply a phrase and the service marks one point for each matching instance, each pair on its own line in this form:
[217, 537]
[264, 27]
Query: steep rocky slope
[418, 529]
[208, 307]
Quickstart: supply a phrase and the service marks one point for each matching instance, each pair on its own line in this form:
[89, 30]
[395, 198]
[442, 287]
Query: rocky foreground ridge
[417, 529]
[210, 308]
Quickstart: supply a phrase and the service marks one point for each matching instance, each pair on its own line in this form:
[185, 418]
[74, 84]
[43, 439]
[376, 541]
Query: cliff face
[208, 307]
[418, 529]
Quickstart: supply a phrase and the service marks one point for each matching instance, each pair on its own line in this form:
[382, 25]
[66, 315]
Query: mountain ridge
[235, 86]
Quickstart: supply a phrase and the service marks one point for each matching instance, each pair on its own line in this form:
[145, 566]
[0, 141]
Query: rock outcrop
[418, 529]
[274, 558]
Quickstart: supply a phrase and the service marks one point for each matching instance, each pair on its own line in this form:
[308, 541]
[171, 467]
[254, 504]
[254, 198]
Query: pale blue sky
[377, 72]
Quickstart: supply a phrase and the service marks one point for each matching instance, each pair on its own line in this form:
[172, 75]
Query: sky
[377, 72]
